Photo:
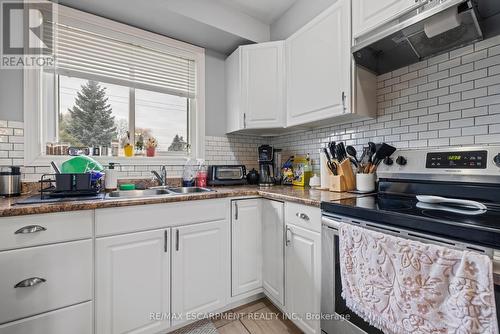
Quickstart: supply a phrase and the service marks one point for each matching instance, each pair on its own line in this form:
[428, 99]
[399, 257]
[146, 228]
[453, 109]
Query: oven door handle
[331, 222]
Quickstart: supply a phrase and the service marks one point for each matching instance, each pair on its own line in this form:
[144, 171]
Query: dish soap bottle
[128, 149]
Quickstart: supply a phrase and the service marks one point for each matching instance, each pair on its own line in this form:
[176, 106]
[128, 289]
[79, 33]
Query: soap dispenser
[111, 179]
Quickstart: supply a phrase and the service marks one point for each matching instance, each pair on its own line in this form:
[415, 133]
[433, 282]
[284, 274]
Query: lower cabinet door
[200, 270]
[133, 283]
[273, 257]
[303, 277]
[246, 245]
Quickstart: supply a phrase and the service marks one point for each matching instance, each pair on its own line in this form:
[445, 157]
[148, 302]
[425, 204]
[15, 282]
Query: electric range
[468, 177]
[471, 174]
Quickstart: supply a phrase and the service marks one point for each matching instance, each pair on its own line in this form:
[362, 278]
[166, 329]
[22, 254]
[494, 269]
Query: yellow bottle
[128, 149]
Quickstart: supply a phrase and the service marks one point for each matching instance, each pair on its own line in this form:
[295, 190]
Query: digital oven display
[454, 160]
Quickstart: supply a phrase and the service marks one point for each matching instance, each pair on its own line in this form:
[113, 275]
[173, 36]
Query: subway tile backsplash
[449, 100]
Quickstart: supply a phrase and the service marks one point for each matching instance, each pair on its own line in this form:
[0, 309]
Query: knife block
[337, 183]
[345, 170]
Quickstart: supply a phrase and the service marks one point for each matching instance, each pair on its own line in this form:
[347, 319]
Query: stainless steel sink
[189, 190]
[138, 193]
[156, 191]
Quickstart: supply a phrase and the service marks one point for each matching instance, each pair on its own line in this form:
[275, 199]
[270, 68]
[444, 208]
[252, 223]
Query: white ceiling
[266, 11]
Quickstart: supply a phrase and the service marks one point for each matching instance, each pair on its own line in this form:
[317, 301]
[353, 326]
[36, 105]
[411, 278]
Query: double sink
[157, 191]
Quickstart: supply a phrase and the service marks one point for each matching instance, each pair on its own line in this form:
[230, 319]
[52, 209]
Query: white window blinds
[95, 57]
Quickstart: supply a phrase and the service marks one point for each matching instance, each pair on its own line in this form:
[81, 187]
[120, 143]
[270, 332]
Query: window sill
[136, 161]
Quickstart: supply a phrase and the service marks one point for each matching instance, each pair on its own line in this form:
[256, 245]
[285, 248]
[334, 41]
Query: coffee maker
[266, 166]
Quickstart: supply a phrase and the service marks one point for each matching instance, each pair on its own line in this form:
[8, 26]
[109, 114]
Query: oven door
[337, 318]
[332, 304]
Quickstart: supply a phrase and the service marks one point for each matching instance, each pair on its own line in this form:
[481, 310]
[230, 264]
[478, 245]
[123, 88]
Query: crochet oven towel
[406, 286]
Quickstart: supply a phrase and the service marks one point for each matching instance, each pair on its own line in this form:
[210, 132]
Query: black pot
[253, 177]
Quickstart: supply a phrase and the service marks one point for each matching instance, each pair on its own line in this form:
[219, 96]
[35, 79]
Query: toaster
[226, 175]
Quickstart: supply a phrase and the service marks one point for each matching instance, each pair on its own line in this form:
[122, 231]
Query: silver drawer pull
[30, 229]
[29, 282]
[302, 216]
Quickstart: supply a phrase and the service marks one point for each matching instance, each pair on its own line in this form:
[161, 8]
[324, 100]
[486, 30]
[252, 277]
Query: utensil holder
[337, 183]
[365, 182]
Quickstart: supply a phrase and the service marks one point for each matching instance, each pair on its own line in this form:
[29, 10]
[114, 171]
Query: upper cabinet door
[262, 87]
[200, 269]
[368, 14]
[255, 88]
[318, 67]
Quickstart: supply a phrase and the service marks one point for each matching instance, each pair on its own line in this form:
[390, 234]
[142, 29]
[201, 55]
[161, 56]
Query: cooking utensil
[340, 152]
[331, 147]
[383, 151]
[353, 155]
[373, 149]
[332, 166]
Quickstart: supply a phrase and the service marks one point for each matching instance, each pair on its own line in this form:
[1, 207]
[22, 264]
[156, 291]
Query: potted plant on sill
[151, 145]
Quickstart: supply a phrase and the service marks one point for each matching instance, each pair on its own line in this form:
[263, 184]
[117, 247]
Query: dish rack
[69, 185]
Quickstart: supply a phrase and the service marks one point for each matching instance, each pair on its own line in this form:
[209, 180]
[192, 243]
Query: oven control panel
[457, 160]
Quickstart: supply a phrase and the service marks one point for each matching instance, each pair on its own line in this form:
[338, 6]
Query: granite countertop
[307, 196]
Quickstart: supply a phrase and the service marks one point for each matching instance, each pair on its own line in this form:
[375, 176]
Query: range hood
[436, 27]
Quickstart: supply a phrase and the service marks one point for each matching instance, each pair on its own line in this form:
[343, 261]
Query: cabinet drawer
[66, 269]
[34, 230]
[75, 319]
[148, 217]
[302, 215]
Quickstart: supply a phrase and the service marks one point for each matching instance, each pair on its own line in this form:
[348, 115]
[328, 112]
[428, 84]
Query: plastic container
[111, 178]
[201, 178]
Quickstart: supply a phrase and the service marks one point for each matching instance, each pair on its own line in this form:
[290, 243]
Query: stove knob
[388, 161]
[401, 161]
[497, 160]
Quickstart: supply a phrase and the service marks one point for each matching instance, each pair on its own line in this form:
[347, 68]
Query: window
[95, 114]
[113, 87]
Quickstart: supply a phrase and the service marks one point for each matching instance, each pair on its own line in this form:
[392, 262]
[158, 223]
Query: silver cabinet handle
[287, 241]
[302, 216]
[343, 100]
[166, 242]
[29, 282]
[177, 240]
[236, 210]
[30, 229]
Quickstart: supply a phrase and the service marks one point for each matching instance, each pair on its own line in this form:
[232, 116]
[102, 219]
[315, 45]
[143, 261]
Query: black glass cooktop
[453, 222]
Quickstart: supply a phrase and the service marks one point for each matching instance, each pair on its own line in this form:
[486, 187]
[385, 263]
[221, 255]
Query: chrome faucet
[162, 176]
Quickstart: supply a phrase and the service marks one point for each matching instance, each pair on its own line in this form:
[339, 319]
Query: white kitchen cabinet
[318, 63]
[369, 14]
[132, 282]
[75, 319]
[303, 276]
[255, 83]
[200, 269]
[40, 279]
[246, 246]
[273, 271]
